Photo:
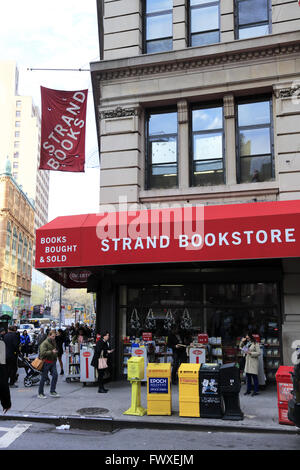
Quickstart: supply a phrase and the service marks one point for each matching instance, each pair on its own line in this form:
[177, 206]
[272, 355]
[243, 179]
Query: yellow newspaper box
[135, 368]
[159, 398]
[189, 399]
[135, 373]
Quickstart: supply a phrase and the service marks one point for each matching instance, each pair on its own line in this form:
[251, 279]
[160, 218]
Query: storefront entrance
[225, 311]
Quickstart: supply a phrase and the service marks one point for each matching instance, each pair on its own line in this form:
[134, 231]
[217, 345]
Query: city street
[26, 436]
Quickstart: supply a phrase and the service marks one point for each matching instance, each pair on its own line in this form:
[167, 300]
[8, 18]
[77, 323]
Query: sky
[57, 35]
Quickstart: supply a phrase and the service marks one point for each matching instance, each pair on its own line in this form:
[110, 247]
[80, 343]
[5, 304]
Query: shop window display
[224, 311]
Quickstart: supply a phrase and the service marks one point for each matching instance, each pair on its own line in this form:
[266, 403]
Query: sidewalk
[82, 407]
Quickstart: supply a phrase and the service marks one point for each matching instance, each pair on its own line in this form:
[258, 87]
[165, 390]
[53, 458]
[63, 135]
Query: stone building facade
[16, 243]
[199, 102]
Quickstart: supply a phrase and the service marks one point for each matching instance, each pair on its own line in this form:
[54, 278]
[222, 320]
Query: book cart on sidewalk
[72, 365]
[78, 363]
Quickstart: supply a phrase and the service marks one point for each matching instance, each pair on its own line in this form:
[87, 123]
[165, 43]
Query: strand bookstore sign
[63, 130]
[211, 233]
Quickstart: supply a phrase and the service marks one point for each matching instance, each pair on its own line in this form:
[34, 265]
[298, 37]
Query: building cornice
[272, 46]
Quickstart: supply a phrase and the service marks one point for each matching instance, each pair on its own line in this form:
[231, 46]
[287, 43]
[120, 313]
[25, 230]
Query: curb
[108, 424]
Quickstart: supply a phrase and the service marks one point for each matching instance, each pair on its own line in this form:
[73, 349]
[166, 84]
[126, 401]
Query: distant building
[16, 242]
[20, 125]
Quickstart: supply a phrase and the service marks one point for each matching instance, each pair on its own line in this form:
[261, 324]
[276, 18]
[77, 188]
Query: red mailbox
[284, 392]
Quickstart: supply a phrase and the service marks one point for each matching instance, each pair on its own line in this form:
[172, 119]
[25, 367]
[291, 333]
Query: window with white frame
[161, 155]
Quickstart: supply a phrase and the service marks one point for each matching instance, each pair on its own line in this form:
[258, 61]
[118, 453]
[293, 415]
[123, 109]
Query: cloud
[61, 34]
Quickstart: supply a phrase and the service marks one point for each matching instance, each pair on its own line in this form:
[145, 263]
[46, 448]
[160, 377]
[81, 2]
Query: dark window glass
[159, 25]
[204, 22]
[208, 135]
[162, 150]
[255, 142]
[253, 18]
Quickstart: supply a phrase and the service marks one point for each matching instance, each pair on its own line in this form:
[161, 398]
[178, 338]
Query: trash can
[284, 393]
[230, 384]
[211, 403]
[294, 412]
[189, 402]
[159, 398]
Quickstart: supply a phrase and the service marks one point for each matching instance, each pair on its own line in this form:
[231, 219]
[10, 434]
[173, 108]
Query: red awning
[76, 245]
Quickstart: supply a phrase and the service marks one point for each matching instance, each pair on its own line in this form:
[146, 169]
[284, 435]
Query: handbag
[37, 363]
[102, 362]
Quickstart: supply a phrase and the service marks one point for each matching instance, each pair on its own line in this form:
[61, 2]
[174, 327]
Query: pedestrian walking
[60, 341]
[5, 398]
[41, 337]
[80, 337]
[101, 351]
[12, 342]
[250, 348]
[48, 352]
[25, 343]
[176, 343]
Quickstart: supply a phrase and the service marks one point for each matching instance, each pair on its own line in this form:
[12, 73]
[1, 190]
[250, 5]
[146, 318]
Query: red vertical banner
[63, 130]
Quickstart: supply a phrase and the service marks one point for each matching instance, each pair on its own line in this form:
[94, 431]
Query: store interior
[225, 311]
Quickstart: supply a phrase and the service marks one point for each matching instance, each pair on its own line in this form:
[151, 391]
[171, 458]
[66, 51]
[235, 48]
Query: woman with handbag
[251, 350]
[99, 360]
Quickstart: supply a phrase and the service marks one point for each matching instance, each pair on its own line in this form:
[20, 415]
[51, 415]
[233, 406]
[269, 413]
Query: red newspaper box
[284, 392]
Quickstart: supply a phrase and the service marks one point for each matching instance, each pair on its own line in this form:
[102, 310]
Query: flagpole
[59, 70]
[59, 305]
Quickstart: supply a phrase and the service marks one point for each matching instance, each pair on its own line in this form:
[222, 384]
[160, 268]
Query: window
[15, 241]
[18, 123]
[204, 22]
[15, 165]
[25, 252]
[16, 155]
[207, 146]
[18, 113]
[8, 241]
[161, 150]
[253, 18]
[17, 144]
[18, 103]
[254, 141]
[158, 25]
[17, 134]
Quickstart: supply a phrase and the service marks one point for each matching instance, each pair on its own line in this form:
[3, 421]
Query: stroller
[33, 376]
